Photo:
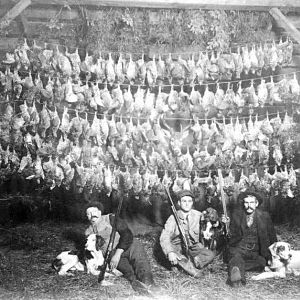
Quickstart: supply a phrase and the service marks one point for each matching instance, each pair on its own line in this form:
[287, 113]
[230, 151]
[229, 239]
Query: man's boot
[189, 267]
[235, 277]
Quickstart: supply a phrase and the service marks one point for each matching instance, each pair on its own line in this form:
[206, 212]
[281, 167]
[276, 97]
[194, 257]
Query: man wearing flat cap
[252, 232]
[129, 255]
[171, 240]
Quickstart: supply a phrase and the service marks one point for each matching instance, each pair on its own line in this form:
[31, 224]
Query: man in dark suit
[251, 233]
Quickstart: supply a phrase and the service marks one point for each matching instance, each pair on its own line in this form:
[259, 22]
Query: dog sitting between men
[284, 261]
[212, 231]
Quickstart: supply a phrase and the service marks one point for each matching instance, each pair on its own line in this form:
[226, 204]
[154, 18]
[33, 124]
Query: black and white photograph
[149, 149]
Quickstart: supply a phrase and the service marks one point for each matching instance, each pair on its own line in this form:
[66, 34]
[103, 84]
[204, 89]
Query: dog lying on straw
[67, 261]
[93, 258]
[284, 261]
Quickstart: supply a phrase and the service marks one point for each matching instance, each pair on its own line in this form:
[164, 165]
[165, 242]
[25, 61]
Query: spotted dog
[93, 255]
[67, 261]
[94, 258]
[284, 261]
[212, 231]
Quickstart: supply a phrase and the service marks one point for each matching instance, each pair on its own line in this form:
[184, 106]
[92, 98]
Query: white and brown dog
[67, 261]
[94, 259]
[284, 261]
[93, 255]
[212, 230]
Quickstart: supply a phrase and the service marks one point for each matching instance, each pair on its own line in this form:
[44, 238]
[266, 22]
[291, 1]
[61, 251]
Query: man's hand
[115, 259]
[173, 258]
[225, 219]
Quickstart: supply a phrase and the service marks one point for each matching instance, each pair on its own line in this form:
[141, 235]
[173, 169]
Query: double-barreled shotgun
[110, 245]
[185, 241]
[220, 179]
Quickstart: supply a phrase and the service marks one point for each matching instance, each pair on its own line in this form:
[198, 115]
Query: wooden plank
[39, 29]
[283, 21]
[13, 12]
[23, 24]
[295, 20]
[183, 4]
[45, 14]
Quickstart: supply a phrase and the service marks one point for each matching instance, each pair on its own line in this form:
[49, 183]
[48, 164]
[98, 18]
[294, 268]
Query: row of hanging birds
[122, 68]
[145, 102]
[142, 182]
[34, 142]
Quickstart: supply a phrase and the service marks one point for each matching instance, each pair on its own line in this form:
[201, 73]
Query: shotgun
[110, 245]
[185, 241]
[220, 178]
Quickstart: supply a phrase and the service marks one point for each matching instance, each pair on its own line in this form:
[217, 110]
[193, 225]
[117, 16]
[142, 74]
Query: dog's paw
[267, 269]
[65, 274]
[106, 283]
[255, 277]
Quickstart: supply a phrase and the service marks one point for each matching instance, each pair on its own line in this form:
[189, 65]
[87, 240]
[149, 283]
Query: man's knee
[203, 259]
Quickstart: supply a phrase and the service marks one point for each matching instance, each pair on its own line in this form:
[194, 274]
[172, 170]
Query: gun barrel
[178, 222]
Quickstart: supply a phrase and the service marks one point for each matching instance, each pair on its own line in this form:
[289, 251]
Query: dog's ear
[280, 248]
[100, 241]
[273, 249]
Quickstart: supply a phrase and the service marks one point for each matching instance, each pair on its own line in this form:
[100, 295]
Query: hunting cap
[245, 194]
[185, 193]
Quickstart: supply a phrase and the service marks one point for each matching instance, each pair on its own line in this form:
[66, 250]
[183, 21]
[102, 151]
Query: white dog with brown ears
[93, 255]
[94, 258]
[284, 261]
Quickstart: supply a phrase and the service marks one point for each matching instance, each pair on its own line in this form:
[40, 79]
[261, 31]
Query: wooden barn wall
[36, 18]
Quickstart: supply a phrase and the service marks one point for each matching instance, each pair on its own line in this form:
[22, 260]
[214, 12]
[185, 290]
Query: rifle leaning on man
[185, 240]
[110, 245]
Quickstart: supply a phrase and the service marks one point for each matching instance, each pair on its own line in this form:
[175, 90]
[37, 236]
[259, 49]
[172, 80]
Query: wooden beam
[284, 22]
[295, 20]
[13, 12]
[183, 4]
[23, 24]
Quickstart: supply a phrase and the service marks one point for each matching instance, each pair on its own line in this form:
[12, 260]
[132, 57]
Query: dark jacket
[265, 229]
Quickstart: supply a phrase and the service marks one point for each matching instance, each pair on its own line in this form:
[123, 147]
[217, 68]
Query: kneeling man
[171, 240]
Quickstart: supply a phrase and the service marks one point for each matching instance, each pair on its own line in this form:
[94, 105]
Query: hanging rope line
[202, 51]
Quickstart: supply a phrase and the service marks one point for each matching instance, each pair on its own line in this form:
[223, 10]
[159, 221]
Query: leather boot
[235, 278]
[189, 267]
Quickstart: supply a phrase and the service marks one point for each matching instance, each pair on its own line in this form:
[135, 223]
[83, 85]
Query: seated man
[171, 240]
[251, 233]
[129, 256]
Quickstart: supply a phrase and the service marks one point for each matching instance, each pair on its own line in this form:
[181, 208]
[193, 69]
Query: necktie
[249, 220]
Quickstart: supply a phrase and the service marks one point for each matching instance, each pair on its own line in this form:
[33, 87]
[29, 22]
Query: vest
[250, 237]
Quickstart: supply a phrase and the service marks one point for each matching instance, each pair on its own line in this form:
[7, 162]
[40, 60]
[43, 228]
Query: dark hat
[245, 194]
[185, 193]
[98, 205]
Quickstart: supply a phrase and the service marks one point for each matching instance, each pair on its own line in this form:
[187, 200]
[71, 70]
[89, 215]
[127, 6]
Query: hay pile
[26, 253]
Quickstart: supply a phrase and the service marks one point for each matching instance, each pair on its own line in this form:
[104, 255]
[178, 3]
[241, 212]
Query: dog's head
[94, 242]
[211, 215]
[281, 253]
